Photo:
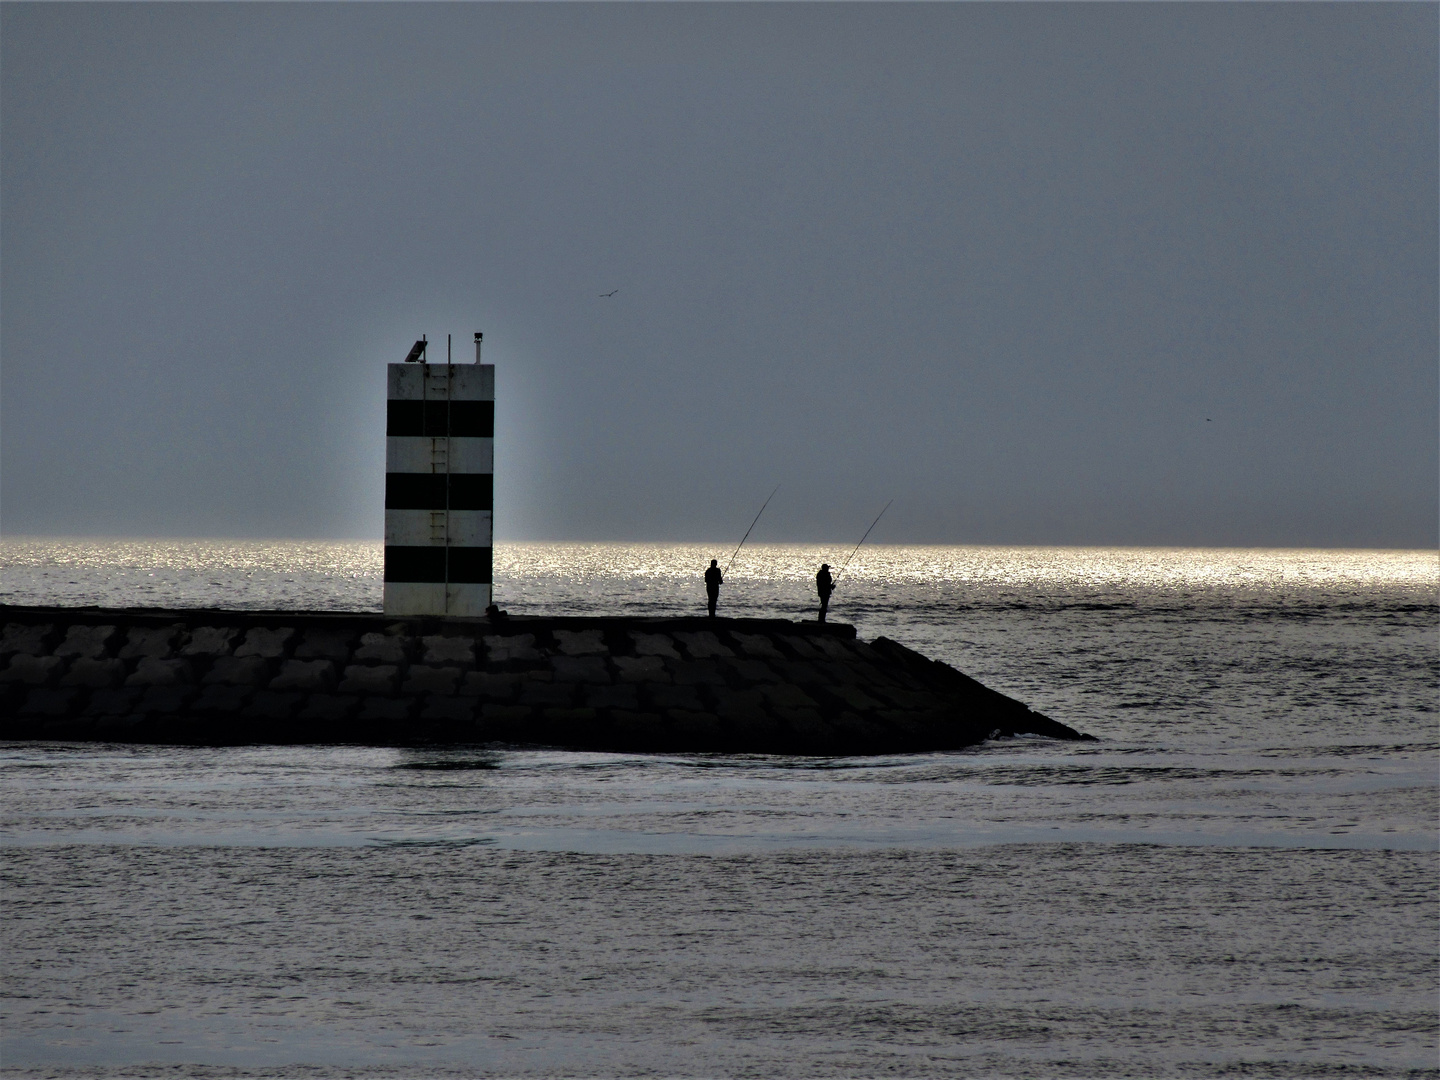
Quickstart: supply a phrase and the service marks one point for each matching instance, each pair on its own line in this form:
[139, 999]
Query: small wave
[1111, 776]
[449, 765]
[432, 842]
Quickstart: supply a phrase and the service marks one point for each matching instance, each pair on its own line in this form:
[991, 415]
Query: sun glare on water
[347, 575]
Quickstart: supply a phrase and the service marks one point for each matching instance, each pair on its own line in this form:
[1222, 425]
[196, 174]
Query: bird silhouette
[612, 292]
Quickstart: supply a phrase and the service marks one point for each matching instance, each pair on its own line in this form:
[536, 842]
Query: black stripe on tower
[463, 419]
[434, 565]
[426, 491]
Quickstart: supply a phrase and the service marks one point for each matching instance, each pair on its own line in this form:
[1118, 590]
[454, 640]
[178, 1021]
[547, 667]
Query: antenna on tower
[479, 337]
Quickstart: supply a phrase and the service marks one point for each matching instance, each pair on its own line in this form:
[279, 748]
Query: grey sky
[1042, 274]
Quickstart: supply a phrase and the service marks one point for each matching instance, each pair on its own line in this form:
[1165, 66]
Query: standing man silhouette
[824, 585]
[713, 581]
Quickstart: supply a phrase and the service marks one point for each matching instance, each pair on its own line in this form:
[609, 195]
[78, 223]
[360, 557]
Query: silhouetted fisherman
[713, 581]
[824, 585]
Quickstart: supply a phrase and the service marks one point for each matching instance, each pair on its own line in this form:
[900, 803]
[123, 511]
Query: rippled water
[1239, 879]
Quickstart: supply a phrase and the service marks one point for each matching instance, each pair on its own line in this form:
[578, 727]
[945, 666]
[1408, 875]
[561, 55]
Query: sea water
[1240, 878]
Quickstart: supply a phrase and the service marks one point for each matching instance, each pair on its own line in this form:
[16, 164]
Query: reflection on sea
[766, 579]
[1007, 792]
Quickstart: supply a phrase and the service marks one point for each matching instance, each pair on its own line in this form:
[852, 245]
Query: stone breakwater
[658, 685]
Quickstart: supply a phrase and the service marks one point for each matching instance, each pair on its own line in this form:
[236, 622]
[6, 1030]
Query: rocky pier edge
[663, 685]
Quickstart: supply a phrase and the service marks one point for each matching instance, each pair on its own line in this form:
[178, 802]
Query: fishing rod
[748, 531]
[862, 539]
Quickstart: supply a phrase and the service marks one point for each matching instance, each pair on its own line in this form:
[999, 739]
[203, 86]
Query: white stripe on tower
[439, 488]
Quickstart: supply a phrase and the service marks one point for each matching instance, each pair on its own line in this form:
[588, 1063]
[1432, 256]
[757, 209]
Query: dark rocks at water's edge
[209, 677]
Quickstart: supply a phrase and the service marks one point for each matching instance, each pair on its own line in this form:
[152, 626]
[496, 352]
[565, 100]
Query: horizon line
[379, 542]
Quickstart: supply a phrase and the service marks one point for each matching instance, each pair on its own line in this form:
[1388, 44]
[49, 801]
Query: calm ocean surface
[1240, 879]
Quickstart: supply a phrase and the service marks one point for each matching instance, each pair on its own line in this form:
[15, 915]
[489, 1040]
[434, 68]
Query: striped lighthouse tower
[439, 486]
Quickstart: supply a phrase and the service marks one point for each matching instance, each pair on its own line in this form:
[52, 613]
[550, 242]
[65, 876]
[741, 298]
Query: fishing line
[747, 531]
[862, 539]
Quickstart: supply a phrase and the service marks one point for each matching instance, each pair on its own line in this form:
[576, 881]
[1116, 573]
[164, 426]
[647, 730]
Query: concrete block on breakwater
[623, 684]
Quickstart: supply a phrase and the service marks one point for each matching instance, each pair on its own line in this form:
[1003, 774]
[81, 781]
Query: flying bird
[612, 292]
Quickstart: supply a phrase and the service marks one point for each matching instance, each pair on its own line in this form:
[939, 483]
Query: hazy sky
[1039, 273]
